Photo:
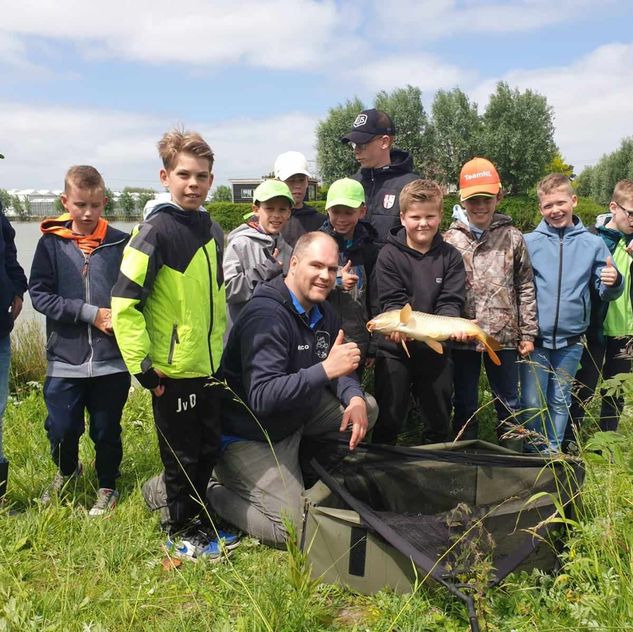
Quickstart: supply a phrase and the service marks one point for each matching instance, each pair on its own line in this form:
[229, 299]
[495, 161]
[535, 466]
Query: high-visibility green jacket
[168, 304]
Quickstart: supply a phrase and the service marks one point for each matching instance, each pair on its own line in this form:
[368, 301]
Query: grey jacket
[248, 261]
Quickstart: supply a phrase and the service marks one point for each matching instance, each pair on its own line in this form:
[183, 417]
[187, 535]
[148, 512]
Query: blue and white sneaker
[226, 539]
[193, 545]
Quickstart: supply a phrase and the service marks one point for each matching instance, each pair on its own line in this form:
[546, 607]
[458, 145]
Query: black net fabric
[461, 506]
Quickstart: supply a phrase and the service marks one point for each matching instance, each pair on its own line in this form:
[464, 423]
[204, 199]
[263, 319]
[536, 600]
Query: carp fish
[431, 329]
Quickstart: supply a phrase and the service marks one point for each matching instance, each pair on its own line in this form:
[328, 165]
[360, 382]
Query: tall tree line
[516, 132]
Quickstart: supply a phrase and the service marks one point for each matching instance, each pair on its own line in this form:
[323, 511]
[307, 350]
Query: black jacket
[357, 306]
[12, 277]
[272, 362]
[433, 282]
[382, 191]
[303, 220]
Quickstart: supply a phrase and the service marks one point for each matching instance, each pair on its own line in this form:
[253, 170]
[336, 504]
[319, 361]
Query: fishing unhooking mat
[382, 516]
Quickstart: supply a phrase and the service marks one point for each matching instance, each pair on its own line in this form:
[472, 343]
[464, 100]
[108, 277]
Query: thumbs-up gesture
[348, 278]
[609, 274]
[343, 359]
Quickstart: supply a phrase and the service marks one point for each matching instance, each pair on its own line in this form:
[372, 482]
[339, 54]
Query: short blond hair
[552, 182]
[83, 177]
[179, 141]
[421, 191]
[623, 192]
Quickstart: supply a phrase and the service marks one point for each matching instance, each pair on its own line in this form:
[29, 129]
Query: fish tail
[491, 346]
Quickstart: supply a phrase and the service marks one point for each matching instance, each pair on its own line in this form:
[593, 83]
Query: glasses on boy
[629, 213]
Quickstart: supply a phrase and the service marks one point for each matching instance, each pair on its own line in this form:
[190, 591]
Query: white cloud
[591, 99]
[420, 20]
[428, 72]
[281, 34]
[45, 141]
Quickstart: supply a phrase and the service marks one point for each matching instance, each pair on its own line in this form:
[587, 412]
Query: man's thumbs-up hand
[343, 358]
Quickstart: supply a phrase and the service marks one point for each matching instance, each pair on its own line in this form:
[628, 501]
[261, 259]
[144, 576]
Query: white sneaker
[106, 501]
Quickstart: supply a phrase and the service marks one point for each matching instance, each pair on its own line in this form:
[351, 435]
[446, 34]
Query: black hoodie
[433, 282]
[382, 191]
[272, 362]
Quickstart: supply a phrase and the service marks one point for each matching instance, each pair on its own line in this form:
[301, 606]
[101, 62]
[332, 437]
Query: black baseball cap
[369, 123]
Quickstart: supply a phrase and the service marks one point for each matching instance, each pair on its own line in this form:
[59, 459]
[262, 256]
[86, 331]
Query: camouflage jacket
[500, 290]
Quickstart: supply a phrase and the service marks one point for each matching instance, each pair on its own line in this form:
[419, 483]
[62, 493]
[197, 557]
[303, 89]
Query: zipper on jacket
[86, 276]
[211, 281]
[560, 277]
[175, 340]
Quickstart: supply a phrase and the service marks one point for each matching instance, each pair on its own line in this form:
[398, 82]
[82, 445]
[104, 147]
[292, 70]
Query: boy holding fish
[416, 268]
[500, 296]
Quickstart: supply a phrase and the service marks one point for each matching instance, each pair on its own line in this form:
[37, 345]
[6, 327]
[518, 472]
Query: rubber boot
[4, 475]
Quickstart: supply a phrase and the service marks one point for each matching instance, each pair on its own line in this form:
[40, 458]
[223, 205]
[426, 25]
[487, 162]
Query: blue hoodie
[567, 262]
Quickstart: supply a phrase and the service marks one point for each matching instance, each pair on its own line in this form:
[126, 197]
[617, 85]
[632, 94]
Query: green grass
[62, 571]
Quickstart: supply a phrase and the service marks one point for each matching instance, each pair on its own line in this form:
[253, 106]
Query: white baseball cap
[289, 163]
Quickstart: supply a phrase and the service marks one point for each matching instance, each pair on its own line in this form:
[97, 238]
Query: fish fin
[405, 313]
[435, 345]
[491, 346]
[406, 349]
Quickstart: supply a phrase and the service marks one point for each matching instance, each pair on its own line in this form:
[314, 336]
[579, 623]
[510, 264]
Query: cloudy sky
[98, 82]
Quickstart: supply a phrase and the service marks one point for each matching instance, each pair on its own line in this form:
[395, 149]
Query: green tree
[127, 204]
[518, 136]
[18, 207]
[109, 211]
[222, 193]
[599, 180]
[5, 199]
[336, 159]
[58, 207]
[143, 198]
[558, 165]
[457, 127]
[413, 130]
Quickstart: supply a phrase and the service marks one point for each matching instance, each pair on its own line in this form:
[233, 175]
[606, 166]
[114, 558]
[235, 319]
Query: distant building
[242, 189]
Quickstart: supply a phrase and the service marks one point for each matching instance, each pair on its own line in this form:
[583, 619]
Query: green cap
[270, 189]
[346, 192]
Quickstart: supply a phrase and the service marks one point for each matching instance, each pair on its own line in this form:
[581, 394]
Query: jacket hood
[401, 162]
[555, 233]
[498, 220]
[398, 237]
[251, 231]
[160, 203]
[363, 232]
[60, 226]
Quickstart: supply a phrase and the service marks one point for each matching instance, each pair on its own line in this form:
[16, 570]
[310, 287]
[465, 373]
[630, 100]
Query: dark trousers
[596, 359]
[187, 418]
[103, 397]
[504, 384]
[426, 376]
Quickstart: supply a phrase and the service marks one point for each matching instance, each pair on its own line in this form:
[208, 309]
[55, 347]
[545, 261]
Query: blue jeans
[5, 363]
[546, 381]
[504, 383]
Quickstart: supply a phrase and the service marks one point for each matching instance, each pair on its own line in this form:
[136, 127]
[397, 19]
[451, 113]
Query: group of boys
[155, 305]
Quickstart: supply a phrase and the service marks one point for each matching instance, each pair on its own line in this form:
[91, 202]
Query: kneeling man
[288, 363]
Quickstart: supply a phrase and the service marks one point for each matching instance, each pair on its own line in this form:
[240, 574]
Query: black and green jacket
[168, 304]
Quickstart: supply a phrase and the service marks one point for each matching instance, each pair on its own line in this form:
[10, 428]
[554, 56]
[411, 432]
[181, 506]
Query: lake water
[27, 235]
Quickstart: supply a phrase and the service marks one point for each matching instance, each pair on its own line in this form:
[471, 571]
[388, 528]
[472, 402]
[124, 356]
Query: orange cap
[478, 177]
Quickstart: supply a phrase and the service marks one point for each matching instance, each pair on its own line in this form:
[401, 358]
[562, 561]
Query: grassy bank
[61, 571]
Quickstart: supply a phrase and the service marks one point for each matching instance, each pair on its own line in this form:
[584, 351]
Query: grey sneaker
[57, 485]
[106, 500]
